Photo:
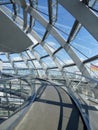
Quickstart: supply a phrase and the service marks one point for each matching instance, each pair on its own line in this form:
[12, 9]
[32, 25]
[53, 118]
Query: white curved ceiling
[12, 38]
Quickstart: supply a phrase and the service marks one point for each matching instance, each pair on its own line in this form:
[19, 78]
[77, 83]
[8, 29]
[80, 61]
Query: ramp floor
[52, 110]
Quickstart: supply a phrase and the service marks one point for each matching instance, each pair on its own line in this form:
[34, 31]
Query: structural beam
[75, 29]
[52, 11]
[91, 59]
[83, 14]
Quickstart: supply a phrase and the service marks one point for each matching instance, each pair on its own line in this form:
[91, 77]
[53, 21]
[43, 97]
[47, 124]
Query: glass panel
[52, 42]
[95, 8]
[85, 44]
[63, 56]
[7, 66]
[43, 8]
[36, 63]
[55, 74]
[30, 64]
[40, 50]
[20, 65]
[15, 57]
[10, 6]
[8, 71]
[24, 71]
[64, 21]
[72, 69]
[25, 56]
[30, 54]
[49, 62]
[20, 11]
[40, 30]
[4, 58]
[41, 73]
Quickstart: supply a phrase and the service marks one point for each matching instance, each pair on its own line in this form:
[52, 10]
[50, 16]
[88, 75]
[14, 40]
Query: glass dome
[48, 39]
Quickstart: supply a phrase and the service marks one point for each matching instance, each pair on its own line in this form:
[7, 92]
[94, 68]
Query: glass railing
[78, 83]
[14, 92]
[84, 92]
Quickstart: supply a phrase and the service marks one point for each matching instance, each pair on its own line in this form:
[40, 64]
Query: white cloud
[43, 7]
[84, 49]
[63, 26]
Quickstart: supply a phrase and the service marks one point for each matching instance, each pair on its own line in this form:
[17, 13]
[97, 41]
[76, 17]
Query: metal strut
[53, 11]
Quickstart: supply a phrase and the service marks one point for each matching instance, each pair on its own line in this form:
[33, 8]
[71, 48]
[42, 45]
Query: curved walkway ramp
[52, 110]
